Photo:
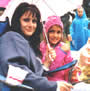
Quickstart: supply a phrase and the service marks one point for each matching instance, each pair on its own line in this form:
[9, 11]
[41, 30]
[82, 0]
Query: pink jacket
[62, 58]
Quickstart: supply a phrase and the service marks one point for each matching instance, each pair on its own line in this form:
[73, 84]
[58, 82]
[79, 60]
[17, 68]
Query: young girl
[56, 53]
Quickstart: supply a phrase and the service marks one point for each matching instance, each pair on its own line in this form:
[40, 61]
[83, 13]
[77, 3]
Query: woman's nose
[30, 23]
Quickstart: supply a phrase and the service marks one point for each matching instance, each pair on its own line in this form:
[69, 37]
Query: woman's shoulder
[11, 33]
[12, 36]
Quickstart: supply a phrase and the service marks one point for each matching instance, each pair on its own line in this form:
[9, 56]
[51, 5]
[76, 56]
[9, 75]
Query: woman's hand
[64, 86]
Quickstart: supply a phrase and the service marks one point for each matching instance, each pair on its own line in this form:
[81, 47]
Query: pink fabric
[62, 58]
[4, 3]
[53, 20]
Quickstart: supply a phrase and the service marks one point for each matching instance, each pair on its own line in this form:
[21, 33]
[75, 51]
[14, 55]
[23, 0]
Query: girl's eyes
[59, 32]
[53, 31]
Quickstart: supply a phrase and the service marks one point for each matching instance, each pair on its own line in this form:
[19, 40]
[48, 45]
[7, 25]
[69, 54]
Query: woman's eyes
[34, 21]
[27, 20]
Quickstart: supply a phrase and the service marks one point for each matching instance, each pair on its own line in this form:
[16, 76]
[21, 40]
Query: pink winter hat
[53, 20]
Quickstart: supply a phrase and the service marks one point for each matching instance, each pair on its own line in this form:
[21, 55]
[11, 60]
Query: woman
[20, 47]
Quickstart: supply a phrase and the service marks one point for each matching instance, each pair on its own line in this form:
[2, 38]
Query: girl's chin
[54, 43]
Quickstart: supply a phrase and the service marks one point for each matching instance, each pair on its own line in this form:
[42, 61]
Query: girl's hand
[52, 53]
[65, 47]
[50, 56]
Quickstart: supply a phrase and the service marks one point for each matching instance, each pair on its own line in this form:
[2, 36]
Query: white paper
[15, 75]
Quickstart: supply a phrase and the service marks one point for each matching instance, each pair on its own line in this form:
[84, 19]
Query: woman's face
[28, 24]
[54, 34]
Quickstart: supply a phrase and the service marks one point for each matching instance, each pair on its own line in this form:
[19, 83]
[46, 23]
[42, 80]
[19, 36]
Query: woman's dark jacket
[16, 50]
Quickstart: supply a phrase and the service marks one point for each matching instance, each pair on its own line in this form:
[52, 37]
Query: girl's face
[28, 24]
[54, 34]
